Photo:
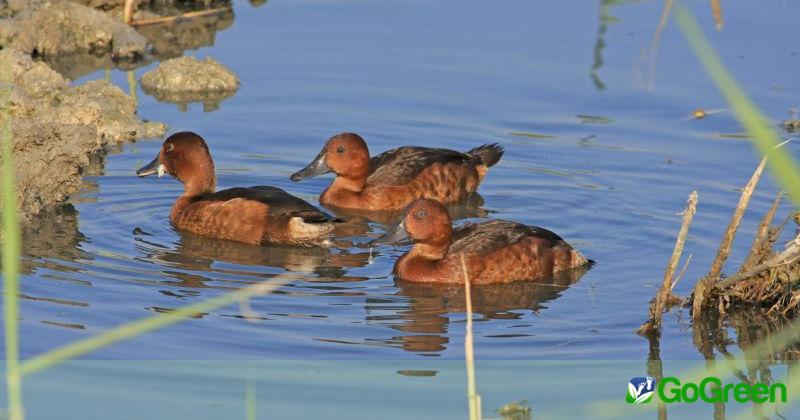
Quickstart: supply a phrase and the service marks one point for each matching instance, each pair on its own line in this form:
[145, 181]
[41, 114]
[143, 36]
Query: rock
[186, 79]
[188, 74]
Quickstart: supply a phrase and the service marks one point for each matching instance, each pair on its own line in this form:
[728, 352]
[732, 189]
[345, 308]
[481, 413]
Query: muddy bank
[77, 39]
[56, 128]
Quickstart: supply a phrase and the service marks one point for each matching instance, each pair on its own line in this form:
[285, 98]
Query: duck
[393, 179]
[494, 251]
[255, 215]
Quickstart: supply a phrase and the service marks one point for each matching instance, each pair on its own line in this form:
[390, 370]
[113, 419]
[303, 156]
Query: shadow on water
[425, 322]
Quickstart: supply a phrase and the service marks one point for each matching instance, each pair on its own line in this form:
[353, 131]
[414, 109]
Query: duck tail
[487, 154]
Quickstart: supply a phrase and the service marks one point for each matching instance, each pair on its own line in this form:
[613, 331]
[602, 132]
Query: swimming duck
[254, 215]
[393, 179]
[494, 251]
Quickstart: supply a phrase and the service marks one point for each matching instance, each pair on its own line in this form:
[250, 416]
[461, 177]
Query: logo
[709, 390]
[641, 390]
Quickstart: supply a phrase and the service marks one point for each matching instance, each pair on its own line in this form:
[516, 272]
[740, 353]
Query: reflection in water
[753, 328]
[51, 240]
[198, 253]
[167, 40]
[171, 40]
[655, 368]
[50, 236]
[600, 44]
[426, 319]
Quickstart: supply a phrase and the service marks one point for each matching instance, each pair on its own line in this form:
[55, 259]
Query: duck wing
[278, 201]
[400, 166]
[485, 237]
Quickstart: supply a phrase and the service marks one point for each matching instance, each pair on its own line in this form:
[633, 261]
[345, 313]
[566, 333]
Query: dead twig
[762, 234]
[657, 307]
[127, 11]
[188, 15]
[683, 271]
[716, 10]
[704, 285]
[788, 255]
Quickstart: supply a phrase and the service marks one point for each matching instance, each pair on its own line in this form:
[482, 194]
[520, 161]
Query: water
[452, 75]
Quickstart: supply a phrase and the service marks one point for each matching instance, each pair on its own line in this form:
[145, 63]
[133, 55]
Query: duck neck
[433, 252]
[194, 188]
[348, 183]
[422, 262]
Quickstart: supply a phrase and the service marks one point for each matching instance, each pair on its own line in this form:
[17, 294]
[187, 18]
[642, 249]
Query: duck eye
[340, 149]
[170, 147]
[420, 214]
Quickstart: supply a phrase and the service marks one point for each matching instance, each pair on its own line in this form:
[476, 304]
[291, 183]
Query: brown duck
[494, 251]
[393, 179]
[254, 215]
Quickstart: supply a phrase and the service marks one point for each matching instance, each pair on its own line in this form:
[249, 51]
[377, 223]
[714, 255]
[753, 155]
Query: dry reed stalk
[127, 11]
[657, 307]
[788, 255]
[683, 271]
[188, 15]
[716, 10]
[762, 234]
[474, 400]
[704, 285]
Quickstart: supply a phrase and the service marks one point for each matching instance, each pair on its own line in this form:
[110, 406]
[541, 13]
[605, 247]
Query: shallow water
[592, 153]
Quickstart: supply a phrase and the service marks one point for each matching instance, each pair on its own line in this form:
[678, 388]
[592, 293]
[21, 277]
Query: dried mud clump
[56, 128]
[54, 29]
[108, 108]
[187, 79]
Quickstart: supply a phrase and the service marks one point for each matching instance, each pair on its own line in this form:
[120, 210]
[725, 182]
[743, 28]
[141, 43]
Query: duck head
[185, 156]
[344, 154]
[426, 222]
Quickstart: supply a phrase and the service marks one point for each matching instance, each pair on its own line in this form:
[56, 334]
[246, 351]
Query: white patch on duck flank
[309, 233]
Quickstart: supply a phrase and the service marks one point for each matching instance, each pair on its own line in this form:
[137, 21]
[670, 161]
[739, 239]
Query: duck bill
[316, 167]
[154, 167]
[396, 234]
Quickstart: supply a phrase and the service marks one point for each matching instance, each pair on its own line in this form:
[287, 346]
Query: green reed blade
[250, 400]
[11, 254]
[137, 328]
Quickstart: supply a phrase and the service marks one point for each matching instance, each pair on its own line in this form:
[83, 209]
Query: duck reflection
[426, 320]
[199, 254]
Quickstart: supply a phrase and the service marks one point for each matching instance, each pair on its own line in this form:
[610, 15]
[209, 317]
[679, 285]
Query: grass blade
[11, 253]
